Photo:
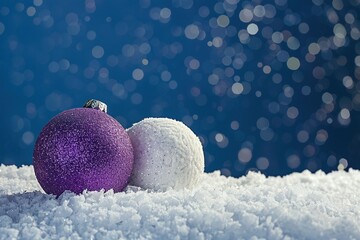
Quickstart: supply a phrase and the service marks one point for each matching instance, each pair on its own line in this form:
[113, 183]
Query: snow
[167, 154]
[297, 206]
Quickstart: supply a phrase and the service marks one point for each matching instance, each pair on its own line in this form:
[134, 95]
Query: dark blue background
[233, 89]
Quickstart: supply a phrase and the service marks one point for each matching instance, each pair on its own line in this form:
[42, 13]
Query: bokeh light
[271, 86]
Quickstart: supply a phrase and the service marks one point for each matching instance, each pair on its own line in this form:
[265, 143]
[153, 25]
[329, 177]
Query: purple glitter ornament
[83, 148]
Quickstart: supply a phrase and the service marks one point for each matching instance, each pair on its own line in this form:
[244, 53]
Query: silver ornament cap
[96, 104]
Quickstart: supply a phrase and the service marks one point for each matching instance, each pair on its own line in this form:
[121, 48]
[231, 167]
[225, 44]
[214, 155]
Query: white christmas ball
[167, 154]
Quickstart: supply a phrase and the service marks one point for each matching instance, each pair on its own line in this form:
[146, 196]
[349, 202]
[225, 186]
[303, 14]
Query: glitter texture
[82, 149]
[167, 154]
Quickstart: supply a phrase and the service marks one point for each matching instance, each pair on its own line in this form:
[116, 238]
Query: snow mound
[298, 206]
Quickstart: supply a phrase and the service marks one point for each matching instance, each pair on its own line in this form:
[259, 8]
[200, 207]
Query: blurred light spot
[303, 136]
[72, 20]
[38, 3]
[173, 84]
[136, 98]
[327, 98]
[345, 113]
[303, 28]
[185, 4]
[277, 78]
[355, 33]
[166, 76]
[252, 29]
[221, 140]
[17, 123]
[339, 30]
[262, 123]
[64, 64]
[53, 67]
[4, 11]
[259, 11]
[91, 35]
[309, 58]
[155, 13]
[348, 82]
[343, 164]
[270, 11]
[98, 52]
[262, 163]
[282, 56]
[292, 19]
[194, 64]
[145, 61]
[30, 11]
[349, 18]
[188, 120]
[225, 172]
[245, 155]
[234, 125]
[267, 134]
[118, 90]
[204, 11]
[309, 151]
[165, 13]
[321, 137]
[274, 107]
[138, 74]
[331, 161]
[314, 48]
[112, 60]
[357, 61]
[145, 48]
[277, 37]
[31, 110]
[217, 42]
[223, 21]
[244, 36]
[192, 31]
[319, 72]
[288, 91]
[267, 69]
[293, 43]
[55, 102]
[246, 15]
[293, 161]
[2, 28]
[237, 88]
[28, 137]
[344, 117]
[338, 4]
[90, 6]
[293, 63]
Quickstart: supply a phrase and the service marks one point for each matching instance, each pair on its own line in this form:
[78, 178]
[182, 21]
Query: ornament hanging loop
[96, 104]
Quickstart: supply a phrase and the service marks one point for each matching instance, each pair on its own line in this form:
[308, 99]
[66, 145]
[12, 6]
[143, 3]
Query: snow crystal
[297, 206]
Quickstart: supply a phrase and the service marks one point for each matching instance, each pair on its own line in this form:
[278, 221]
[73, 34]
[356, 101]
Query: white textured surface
[298, 206]
[167, 154]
